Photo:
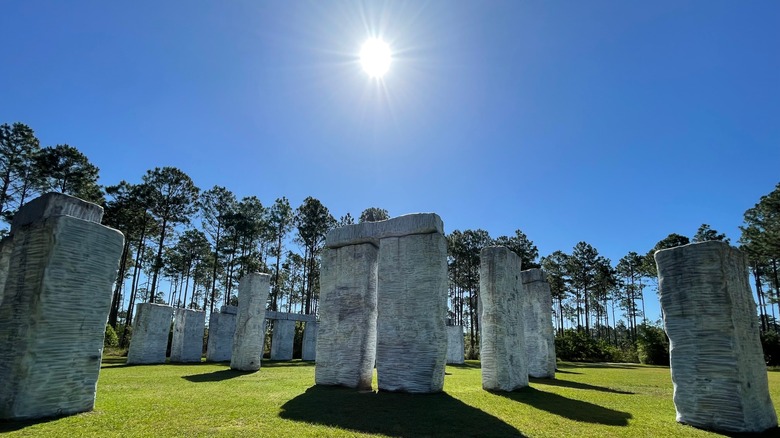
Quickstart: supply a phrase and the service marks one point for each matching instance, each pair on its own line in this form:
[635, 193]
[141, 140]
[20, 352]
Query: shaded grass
[280, 400]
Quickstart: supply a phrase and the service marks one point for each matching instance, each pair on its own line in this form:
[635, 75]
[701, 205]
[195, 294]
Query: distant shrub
[652, 345]
[576, 345]
[110, 339]
[770, 342]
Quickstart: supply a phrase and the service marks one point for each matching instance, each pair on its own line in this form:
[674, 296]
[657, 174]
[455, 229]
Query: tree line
[200, 242]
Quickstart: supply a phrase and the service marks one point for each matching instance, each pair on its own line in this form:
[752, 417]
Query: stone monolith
[222, 327]
[282, 339]
[248, 341]
[538, 328]
[309, 347]
[502, 353]
[346, 337]
[188, 328]
[151, 327]
[411, 351]
[455, 345]
[717, 364]
[58, 268]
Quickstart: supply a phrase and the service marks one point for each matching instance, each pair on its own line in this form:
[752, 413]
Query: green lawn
[586, 400]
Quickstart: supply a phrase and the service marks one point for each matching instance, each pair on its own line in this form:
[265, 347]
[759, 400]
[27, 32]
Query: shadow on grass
[393, 414]
[626, 366]
[560, 371]
[216, 376]
[464, 365]
[10, 426]
[575, 385]
[575, 410]
[286, 363]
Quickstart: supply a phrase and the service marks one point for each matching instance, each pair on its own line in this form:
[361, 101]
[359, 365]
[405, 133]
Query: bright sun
[375, 57]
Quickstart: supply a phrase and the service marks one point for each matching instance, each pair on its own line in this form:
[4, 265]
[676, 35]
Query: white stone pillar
[412, 310]
[222, 327]
[248, 340]
[455, 345]
[309, 347]
[151, 327]
[346, 338]
[539, 334]
[188, 329]
[59, 270]
[501, 349]
[282, 339]
[718, 369]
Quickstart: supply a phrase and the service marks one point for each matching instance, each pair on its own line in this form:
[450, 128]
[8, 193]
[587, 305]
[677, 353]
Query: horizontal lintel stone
[372, 232]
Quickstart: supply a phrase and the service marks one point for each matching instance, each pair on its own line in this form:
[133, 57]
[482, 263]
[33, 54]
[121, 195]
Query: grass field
[586, 400]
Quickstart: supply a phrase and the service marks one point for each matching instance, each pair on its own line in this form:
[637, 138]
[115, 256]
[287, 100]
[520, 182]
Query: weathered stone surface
[502, 353]
[56, 204]
[222, 327]
[309, 347]
[282, 339]
[58, 290]
[346, 338]
[373, 232]
[539, 334]
[270, 314]
[188, 328]
[455, 345]
[6, 246]
[150, 334]
[412, 309]
[248, 340]
[717, 364]
[231, 310]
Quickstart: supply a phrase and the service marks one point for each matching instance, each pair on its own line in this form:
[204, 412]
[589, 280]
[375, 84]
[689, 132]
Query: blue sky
[615, 123]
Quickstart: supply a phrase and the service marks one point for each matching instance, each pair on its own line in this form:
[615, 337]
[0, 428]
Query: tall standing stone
[59, 267]
[282, 339]
[717, 364]
[222, 327]
[412, 310]
[501, 303]
[309, 347]
[188, 328]
[150, 334]
[539, 334]
[346, 338]
[6, 246]
[455, 347]
[248, 340]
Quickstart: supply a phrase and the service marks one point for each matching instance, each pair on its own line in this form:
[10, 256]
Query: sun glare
[375, 57]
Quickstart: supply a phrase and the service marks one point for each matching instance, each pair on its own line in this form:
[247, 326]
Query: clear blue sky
[615, 123]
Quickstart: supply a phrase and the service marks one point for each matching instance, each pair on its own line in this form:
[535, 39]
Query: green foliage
[523, 247]
[374, 214]
[110, 339]
[706, 233]
[576, 345]
[64, 169]
[652, 345]
[770, 341]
